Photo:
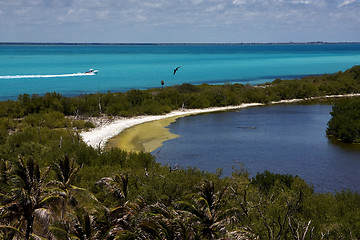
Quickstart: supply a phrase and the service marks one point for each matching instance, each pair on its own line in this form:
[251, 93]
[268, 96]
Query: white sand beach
[98, 137]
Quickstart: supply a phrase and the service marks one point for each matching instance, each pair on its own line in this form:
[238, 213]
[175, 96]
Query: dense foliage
[54, 186]
[345, 121]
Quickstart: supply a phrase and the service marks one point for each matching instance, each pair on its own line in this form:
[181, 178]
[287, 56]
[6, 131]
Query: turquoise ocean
[37, 69]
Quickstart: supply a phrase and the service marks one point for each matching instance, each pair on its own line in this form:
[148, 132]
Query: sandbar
[144, 137]
[99, 136]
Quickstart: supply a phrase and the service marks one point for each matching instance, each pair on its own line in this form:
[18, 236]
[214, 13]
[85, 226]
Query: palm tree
[79, 225]
[26, 197]
[206, 213]
[125, 218]
[117, 186]
[7, 231]
[75, 219]
[122, 218]
[164, 222]
[65, 172]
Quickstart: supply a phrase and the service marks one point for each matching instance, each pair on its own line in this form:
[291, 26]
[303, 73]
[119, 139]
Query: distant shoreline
[169, 44]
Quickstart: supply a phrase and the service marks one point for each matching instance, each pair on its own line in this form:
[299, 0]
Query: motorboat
[92, 71]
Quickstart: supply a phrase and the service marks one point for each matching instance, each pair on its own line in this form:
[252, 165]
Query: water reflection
[344, 146]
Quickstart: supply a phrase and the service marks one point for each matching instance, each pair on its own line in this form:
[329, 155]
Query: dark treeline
[54, 186]
[345, 121]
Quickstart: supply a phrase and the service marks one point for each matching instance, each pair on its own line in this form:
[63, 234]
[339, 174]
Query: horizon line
[176, 43]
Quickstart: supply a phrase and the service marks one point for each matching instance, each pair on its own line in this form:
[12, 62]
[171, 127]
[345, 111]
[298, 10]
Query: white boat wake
[49, 76]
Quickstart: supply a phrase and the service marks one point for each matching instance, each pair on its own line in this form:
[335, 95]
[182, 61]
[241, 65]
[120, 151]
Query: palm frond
[59, 233]
[49, 199]
[17, 231]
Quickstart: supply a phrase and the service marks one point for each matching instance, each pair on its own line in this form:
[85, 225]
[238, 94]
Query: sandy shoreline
[99, 136]
[145, 137]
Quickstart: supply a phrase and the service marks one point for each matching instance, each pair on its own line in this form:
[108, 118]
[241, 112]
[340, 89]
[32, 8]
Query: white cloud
[301, 2]
[239, 2]
[346, 2]
[203, 17]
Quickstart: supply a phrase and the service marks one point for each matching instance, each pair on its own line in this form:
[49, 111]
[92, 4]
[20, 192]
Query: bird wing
[176, 69]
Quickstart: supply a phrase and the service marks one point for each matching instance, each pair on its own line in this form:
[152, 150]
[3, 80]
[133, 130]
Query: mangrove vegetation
[345, 121]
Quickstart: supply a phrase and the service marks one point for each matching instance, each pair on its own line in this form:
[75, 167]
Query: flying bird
[175, 70]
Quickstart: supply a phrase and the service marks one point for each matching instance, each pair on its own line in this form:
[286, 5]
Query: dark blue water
[124, 67]
[285, 139]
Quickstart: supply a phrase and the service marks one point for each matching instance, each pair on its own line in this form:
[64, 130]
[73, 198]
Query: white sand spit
[98, 136]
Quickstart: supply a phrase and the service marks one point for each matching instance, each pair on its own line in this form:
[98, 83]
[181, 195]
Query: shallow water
[286, 139]
[124, 67]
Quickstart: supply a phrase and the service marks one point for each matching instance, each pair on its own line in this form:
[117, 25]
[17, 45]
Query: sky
[180, 21]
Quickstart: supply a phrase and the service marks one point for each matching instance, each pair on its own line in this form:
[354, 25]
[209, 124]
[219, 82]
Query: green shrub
[345, 121]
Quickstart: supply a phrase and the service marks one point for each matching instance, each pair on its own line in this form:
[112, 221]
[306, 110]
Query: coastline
[99, 136]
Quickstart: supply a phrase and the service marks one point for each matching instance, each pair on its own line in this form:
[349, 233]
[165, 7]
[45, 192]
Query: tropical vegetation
[345, 121]
[54, 186]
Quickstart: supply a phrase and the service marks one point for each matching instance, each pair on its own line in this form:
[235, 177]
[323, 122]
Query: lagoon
[284, 138]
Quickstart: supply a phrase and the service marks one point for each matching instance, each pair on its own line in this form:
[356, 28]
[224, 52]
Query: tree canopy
[345, 121]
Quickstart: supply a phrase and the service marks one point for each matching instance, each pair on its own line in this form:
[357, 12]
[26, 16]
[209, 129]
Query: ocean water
[285, 139]
[37, 69]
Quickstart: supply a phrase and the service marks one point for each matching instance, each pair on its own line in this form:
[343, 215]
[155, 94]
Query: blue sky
[179, 21]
